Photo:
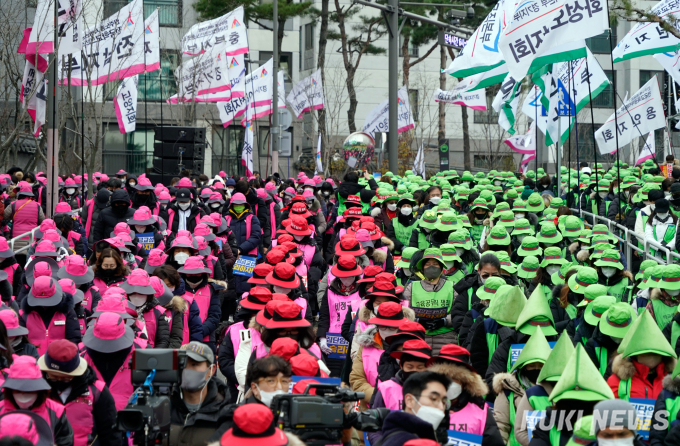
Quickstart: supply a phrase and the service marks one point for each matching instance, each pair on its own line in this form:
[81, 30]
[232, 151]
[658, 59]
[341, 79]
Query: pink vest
[391, 394]
[90, 211]
[87, 299]
[102, 287]
[72, 238]
[25, 218]
[382, 248]
[43, 410]
[272, 219]
[79, 414]
[121, 386]
[185, 322]
[151, 324]
[42, 336]
[308, 253]
[302, 302]
[234, 332]
[10, 273]
[470, 419]
[249, 219]
[371, 357]
[338, 306]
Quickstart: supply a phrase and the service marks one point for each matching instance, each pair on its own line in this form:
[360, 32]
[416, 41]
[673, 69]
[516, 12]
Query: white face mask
[460, 251]
[214, 205]
[140, 229]
[25, 400]
[496, 183]
[609, 271]
[519, 215]
[181, 257]
[406, 210]
[466, 183]
[70, 191]
[309, 189]
[407, 273]
[435, 200]
[184, 206]
[662, 216]
[15, 341]
[347, 281]
[267, 397]
[392, 207]
[385, 332]
[454, 391]
[230, 190]
[673, 293]
[602, 194]
[429, 414]
[137, 299]
[626, 193]
[552, 269]
[520, 237]
[326, 194]
[616, 441]
[281, 290]
[298, 238]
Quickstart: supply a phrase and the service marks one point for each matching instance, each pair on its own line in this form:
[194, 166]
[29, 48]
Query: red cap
[283, 275]
[260, 272]
[285, 348]
[286, 315]
[390, 314]
[415, 347]
[370, 272]
[452, 353]
[254, 425]
[304, 365]
[349, 245]
[346, 266]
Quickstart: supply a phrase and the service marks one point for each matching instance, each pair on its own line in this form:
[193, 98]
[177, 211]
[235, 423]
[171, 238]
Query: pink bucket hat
[53, 236]
[68, 286]
[42, 266]
[238, 198]
[215, 197]
[185, 182]
[27, 425]
[113, 303]
[25, 375]
[63, 208]
[46, 224]
[122, 228]
[143, 183]
[194, 265]
[25, 189]
[76, 269]
[218, 185]
[204, 231]
[10, 318]
[164, 197]
[203, 248]
[210, 221]
[137, 282]
[142, 216]
[109, 334]
[69, 182]
[45, 248]
[270, 186]
[155, 259]
[5, 252]
[183, 242]
[261, 193]
[45, 292]
[161, 292]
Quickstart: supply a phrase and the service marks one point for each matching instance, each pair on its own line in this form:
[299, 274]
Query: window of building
[132, 152]
[169, 11]
[309, 36]
[488, 116]
[493, 161]
[227, 144]
[606, 97]
[412, 49]
[285, 61]
[413, 102]
[160, 84]
[600, 44]
[646, 75]
[263, 140]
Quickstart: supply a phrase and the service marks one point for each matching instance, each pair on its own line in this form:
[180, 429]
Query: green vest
[403, 233]
[470, 267]
[365, 207]
[539, 402]
[624, 390]
[341, 205]
[602, 356]
[663, 313]
[440, 299]
[491, 343]
[511, 403]
[456, 276]
[673, 407]
[554, 436]
[571, 311]
[675, 334]
[619, 290]
[476, 233]
[423, 243]
[667, 237]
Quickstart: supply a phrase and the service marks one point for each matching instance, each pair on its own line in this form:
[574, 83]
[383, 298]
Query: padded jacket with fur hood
[503, 385]
[663, 435]
[474, 391]
[640, 387]
[524, 406]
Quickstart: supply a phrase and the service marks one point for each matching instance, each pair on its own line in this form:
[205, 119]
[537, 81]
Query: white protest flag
[236, 107]
[476, 100]
[559, 102]
[377, 119]
[281, 90]
[524, 144]
[33, 95]
[483, 80]
[640, 114]
[648, 37]
[125, 104]
[113, 49]
[419, 163]
[152, 44]
[307, 94]
[539, 27]
[232, 109]
[247, 153]
[648, 151]
[202, 75]
[237, 75]
[526, 159]
[228, 30]
[505, 103]
[259, 89]
[69, 21]
[319, 166]
[533, 108]
[671, 63]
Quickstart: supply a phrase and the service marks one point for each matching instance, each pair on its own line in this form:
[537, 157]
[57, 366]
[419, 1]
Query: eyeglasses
[273, 381]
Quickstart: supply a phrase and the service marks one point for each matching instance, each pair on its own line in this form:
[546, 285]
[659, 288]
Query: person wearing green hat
[403, 224]
[526, 272]
[612, 275]
[667, 408]
[510, 387]
[535, 204]
[467, 288]
[537, 396]
[420, 236]
[486, 294]
[432, 298]
[642, 293]
[596, 203]
[661, 226]
[551, 263]
[350, 186]
[646, 360]
[404, 273]
[386, 211]
[468, 255]
[521, 230]
[454, 267]
[580, 329]
[446, 224]
[434, 195]
[497, 240]
[653, 195]
[460, 203]
[485, 336]
[663, 302]
[613, 322]
[508, 268]
[479, 217]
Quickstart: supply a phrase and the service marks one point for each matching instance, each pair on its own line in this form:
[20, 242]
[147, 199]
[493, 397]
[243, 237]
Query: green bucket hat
[599, 240]
[490, 287]
[462, 194]
[536, 349]
[560, 354]
[536, 313]
[530, 174]
[465, 221]
[479, 203]
[529, 247]
[652, 277]
[670, 278]
[595, 309]
[428, 220]
[628, 182]
[599, 249]
[585, 277]
[449, 254]
[479, 175]
[571, 227]
[431, 253]
[643, 267]
[487, 195]
[519, 206]
[553, 256]
[611, 257]
[500, 208]
[498, 236]
[583, 432]
[522, 226]
[549, 233]
[467, 176]
[602, 229]
[617, 320]
[406, 256]
[448, 222]
[528, 268]
[592, 293]
[406, 198]
[581, 380]
[444, 206]
[535, 203]
[556, 203]
[646, 337]
[459, 239]
[506, 263]
[558, 277]
[507, 219]
[507, 305]
[510, 194]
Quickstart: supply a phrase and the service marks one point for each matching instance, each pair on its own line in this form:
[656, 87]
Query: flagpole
[536, 130]
[592, 120]
[616, 121]
[578, 171]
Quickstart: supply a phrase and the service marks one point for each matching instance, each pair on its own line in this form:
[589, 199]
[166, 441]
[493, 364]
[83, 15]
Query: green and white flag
[505, 103]
[483, 79]
[559, 101]
[649, 38]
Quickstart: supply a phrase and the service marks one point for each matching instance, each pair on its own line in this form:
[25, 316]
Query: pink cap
[43, 269]
[112, 304]
[261, 193]
[138, 277]
[9, 318]
[217, 218]
[202, 243]
[142, 180]
[156, 257]
[104, 177]
[202, 229]
[4, 246]
[308, 193]
[158, 286]
[215, 196]
[185, 182]
[115, 242]
[44, 287]
[69, 182]
[194, 263]
[330, 181]
[74, 265]
[300, 174]
[24, 367]
[317, 179]
[218, 185]
[25, 187]
[68, 285]
[46, 224]
[223, 174]
[121, 172]
[142, 214]
[62, 208]
[51, 235]
[270, 186]
[310, 183]
[238, 198]
[124, 237]
[109, 326]
[185, 233]
[45, 246]
[19, 424]
[290, 190]
[121, 228]
[78, 179]
[115, 292]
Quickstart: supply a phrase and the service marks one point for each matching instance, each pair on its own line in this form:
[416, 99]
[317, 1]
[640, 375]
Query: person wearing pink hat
[24, 429]
[69, 194]
[24, 213]
[109, 270]
[9, 264]
[88, 403]
[75, 268]
[198, 288]
[151, 319]
[142, 222]
[183, 213]
[26, 389]
[16, 336]
[90, 212]
[257, 207]
[77, 243]
[143, 194]
[48, 314]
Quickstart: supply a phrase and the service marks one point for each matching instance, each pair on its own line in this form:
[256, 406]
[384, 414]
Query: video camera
[154, 373]
[320, 419]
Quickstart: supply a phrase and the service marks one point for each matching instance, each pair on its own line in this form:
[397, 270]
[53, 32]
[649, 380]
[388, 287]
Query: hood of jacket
[102, 198]
[346, 188]
[471, 382]
[507, 381]
[574, 247]
[177, 303]
[64, 306]
[672, 385]
[583, 256]
[388, 243]
[379, 256]
[366, 338]
[625, 369]
[402, 421]
[471, 280]
[120, 195]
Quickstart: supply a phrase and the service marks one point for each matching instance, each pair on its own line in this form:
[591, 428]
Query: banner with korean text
[377, 119]
[227, 31]
[307, 94]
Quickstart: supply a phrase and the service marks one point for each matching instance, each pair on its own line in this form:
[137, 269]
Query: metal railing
[631, 241]
[31, 237]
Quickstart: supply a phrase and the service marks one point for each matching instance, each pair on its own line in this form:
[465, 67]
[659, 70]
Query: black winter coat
[191, 222]
[108, 219]
[101, 202]
[460, 304]
[162, 337]
[16, 278]
[600, 339]
[400, 427]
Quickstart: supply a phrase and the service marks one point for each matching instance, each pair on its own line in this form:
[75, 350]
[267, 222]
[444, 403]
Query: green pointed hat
[627, 337]
[536, 313]
[580, 380]
[647, 338]
[506, 306]
[557, 361]
[536, 349]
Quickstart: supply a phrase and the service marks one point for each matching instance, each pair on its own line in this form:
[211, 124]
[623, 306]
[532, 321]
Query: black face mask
[107, 273]
[463, 203]
[141, 199]
[59, 386]
[480, 216]
[531, 375]
[119, 210]
[405, 375]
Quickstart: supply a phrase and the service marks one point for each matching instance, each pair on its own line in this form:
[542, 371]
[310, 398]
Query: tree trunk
[321, 64]
[406, 59]
[353, 102]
